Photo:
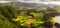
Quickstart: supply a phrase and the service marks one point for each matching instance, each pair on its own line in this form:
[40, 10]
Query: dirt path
[54, 26]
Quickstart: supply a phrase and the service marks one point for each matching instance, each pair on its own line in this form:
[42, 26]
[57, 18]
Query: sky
[38, 1]
[34, 1]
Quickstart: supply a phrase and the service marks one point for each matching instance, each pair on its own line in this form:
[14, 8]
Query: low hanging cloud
[33, 1]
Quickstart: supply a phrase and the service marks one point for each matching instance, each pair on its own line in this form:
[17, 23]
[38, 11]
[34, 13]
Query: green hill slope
[6, 24]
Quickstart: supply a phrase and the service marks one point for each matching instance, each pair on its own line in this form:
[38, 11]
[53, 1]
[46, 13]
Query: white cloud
[4, 1]
[46, 2]
[35, 1]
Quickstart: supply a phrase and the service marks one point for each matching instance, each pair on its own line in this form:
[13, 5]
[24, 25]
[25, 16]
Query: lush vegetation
[11, 17]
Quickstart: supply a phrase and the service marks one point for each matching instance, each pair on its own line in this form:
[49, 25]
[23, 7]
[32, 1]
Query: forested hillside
[25, 17]
[6, 14]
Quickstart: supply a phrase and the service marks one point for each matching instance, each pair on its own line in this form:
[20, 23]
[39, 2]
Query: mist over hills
[31, 4]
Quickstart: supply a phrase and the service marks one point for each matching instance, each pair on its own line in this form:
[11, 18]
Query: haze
[33, 1]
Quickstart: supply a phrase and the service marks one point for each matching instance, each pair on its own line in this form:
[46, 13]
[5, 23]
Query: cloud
[46, 2]
[4, 1]
[34, 1]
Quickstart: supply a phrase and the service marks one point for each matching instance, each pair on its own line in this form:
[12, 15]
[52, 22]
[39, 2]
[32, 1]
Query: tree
[11, 10]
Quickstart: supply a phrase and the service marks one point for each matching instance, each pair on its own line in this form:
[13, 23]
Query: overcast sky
[29, 0]
[34, 1]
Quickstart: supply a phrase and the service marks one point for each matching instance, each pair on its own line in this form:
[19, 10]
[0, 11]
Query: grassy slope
[4, 23]
[7, 24]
